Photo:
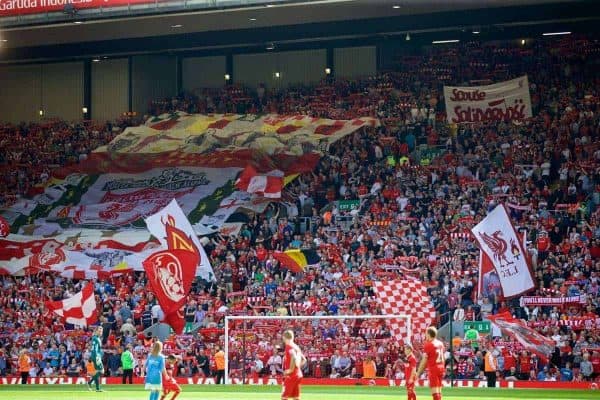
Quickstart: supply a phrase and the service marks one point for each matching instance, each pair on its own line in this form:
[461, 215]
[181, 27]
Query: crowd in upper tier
[422, 184]
[30, 151]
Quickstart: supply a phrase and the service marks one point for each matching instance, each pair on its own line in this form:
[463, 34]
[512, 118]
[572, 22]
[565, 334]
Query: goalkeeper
[96, 358]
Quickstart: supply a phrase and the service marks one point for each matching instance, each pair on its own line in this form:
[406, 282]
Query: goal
[253, 346]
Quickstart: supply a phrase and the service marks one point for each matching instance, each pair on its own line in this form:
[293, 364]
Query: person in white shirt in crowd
[274, 364]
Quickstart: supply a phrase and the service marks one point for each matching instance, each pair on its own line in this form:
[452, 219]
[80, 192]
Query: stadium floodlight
[445, 41]
[252, 325]
[556, 33]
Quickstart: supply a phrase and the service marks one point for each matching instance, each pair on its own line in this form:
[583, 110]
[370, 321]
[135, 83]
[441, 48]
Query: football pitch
[117, 392]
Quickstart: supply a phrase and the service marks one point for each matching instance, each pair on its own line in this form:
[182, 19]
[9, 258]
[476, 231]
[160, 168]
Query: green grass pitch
[117, 392]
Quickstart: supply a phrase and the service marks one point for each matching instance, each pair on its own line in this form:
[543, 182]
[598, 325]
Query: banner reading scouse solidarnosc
[505, 101]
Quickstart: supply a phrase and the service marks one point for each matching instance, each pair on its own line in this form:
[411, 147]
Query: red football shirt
[409, 366]
[435, 354]
[290, 352]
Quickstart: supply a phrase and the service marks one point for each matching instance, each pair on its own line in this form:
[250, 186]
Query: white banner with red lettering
[575, 323]
[551, 301]
[504, 101]
[498, 239]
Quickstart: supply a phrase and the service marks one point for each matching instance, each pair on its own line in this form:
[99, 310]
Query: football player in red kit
[433, 359]
[409, 370]
[293, 360]
[169, 383]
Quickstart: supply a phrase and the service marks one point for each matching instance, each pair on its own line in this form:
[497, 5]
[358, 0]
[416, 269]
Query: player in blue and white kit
[155, 367]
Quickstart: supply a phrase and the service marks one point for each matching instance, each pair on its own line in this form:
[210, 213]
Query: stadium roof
[290, 25]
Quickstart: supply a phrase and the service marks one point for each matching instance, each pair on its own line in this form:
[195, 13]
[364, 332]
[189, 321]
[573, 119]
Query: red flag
[269, 185]
[170, 273]
[527, 337]
[4, 227]
[176, 321]
[79, 309]
[178, 239]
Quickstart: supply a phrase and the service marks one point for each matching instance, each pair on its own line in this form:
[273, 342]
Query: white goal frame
[304, 317]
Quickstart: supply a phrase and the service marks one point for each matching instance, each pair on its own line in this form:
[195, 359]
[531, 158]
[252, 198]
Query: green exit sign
[348, 205]
[483, 327]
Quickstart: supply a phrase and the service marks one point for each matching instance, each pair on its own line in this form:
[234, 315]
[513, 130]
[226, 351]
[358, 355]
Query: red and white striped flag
[406, 297]
[267, 185]
[528, 338]
[79, 309]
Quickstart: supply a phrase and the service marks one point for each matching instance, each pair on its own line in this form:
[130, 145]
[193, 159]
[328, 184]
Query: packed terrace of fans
[415, 205]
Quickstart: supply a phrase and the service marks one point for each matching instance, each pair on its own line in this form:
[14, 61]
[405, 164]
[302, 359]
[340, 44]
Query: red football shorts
[291, 387]
[435, 376]
[171, 386]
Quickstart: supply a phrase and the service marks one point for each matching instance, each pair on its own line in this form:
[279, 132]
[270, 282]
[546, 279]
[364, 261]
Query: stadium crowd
[29, 152]
[421, 184]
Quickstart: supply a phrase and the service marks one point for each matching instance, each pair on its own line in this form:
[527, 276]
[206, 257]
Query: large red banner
[19, 7]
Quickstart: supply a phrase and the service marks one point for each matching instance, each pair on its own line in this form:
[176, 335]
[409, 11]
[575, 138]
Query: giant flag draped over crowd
[88, 220]
[500, 243]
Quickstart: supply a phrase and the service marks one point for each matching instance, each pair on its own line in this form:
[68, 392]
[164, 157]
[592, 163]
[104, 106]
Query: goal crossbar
[303, 317]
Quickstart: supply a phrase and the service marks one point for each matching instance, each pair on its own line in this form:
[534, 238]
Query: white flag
[157, 228]
[498, 239]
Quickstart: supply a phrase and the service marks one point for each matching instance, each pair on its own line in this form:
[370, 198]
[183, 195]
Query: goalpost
[250, 324]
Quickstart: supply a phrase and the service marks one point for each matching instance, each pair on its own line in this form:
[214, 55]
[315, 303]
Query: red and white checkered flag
[407, 297]
[79, 309]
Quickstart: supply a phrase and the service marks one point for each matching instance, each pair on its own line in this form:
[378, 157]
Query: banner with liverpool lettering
[499, 241]
[504, 101]
[121, 199]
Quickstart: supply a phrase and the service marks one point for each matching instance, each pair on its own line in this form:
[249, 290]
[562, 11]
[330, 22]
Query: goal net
[345, 346]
